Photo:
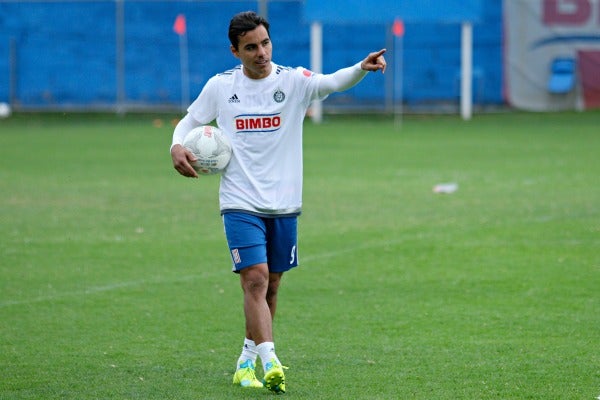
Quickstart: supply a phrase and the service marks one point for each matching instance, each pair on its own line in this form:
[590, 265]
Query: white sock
[248, 352]
[266, 351]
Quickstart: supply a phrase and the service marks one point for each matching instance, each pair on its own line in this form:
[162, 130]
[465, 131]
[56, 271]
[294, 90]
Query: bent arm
[181, 156]
[185, 125]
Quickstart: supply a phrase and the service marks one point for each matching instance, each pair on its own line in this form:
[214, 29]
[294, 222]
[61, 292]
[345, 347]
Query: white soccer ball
[211, 147]
[5, 110]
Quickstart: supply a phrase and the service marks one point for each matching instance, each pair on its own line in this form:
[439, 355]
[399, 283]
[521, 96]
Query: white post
[466, 71]
[12, 72]
[120, 55]
[316, 65]
[398, 80]
[185, 76]
[263, 9]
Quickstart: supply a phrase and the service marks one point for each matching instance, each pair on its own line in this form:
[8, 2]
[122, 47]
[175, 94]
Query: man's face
[254, 50]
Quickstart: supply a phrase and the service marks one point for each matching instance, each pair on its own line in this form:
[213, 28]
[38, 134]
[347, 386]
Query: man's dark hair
[244, 22]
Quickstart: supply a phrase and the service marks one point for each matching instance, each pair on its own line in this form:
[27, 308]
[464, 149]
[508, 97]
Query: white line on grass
[351, 249]
[100, 289]
[188, 278]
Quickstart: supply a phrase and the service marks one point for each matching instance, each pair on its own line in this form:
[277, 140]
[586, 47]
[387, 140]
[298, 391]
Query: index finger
[379, 53]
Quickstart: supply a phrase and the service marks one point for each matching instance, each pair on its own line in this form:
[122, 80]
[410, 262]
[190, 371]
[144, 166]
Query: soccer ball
[5, 110]
[211, 147]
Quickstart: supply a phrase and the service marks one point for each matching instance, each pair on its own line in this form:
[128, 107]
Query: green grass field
[115, 280]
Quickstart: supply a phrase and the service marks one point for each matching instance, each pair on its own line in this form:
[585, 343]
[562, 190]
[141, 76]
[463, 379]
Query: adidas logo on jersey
[234, 99]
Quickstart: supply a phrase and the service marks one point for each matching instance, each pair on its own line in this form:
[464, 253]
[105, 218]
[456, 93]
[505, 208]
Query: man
[261, 106]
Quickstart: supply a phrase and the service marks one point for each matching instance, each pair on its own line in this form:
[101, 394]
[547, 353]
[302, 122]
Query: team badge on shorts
[235, 254]
[279, 96]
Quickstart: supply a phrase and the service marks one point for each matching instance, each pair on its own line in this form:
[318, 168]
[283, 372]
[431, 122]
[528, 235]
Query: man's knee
[255, 278]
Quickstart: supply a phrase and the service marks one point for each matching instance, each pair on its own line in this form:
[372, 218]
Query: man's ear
[234, 51]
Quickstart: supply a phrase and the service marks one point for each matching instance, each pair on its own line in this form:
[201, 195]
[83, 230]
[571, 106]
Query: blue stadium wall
[64, 54]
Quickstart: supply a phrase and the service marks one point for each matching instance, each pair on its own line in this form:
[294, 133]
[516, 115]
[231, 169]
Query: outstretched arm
[345, 78]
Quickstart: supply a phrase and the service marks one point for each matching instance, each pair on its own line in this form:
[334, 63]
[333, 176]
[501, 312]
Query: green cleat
[245, 376]
[274, 378]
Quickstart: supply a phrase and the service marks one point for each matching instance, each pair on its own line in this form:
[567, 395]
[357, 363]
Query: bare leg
[274, 280]
[255, 285]
[260, 302]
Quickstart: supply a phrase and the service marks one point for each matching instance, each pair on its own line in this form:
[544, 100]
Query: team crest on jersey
[279, 96]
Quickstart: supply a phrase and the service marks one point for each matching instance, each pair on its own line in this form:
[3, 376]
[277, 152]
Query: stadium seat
[562, 75]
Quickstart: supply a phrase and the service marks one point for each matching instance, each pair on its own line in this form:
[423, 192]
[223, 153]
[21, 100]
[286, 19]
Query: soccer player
[260, 106]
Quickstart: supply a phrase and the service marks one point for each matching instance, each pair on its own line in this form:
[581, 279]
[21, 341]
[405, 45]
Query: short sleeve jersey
[263, 119]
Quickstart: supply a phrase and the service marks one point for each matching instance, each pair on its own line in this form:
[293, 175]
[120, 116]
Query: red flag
[398, 27]
[179, 26]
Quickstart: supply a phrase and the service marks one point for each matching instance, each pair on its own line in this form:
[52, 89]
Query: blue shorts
[254, 240]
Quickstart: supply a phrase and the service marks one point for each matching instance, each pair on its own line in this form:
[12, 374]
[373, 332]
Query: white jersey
[263, 119]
